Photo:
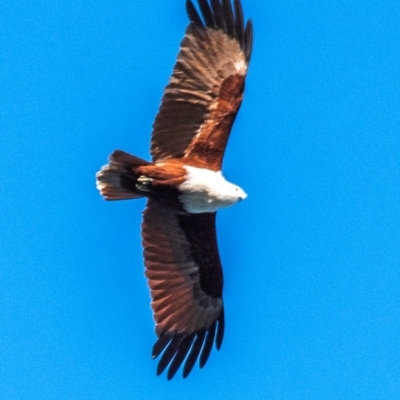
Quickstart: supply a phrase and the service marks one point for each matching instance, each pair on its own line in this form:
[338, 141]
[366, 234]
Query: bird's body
[194, 189]
[184, 184]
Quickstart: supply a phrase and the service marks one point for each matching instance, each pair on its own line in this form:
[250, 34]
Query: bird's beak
[243, 196]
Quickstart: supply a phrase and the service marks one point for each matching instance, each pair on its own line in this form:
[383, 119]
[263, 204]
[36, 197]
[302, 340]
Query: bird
[184, 185]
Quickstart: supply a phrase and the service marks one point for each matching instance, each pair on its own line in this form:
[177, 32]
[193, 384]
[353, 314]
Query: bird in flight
[184, 185]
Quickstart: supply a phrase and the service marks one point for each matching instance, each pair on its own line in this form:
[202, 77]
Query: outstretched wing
[185, 278]
[205, 91]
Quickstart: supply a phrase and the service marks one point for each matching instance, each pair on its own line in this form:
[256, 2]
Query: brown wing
[185, 278]
[205, 91]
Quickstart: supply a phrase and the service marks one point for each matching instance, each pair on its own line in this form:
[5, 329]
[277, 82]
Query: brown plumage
[205, 91]
[184, 186]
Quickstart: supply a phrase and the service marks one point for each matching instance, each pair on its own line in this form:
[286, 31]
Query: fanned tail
[118, 179]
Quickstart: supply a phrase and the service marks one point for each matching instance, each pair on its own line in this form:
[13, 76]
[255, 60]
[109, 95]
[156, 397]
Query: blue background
[311, 258]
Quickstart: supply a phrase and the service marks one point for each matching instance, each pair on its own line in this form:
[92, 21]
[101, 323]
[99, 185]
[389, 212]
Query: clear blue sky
[311, 258]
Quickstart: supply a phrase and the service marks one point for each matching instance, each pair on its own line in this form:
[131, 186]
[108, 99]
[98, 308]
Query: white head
[207, 191]
[230, 193]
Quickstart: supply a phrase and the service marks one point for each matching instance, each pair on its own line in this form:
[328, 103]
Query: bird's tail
[118, 180]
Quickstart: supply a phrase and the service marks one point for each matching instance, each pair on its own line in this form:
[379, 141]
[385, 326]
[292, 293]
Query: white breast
[207, 191]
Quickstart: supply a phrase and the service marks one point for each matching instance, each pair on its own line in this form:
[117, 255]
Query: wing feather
[229, 17]
[248, 39]
[165, 284]
[185, 280]
[220, 331]
[194, 353]
[205, 353]
[169, 352]
[160, 345]
[169, 302]
[193, 14]
[205, 90]
[207, 14]
[180, 355]
[239, 22]
[218, 14]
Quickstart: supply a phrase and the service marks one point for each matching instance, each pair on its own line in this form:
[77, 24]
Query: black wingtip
[220, 330]
[160, 345]
[248, 39]
[239, 24]
[186, 349]
[229, 17]
[180, 355]
[223, 15]
[194, 353]
[207, 14]
[208, 343]
[218, 13]
[169, 353]
[193, 15]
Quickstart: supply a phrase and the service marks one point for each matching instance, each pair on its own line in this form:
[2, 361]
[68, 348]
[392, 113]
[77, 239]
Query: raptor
[184, 185]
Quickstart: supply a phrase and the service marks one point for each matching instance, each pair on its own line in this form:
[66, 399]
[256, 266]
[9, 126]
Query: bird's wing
[185, 278]
[205, 90]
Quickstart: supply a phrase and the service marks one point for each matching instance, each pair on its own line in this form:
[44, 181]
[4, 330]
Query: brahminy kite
[184, 185]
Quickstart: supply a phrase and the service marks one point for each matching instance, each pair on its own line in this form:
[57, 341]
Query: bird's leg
[143, 183]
